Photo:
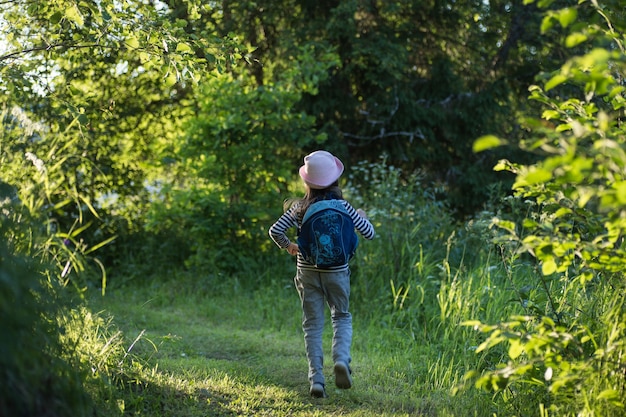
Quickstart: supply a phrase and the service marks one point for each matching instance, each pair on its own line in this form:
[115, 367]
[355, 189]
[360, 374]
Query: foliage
[53, 358]
[239, 155]
[410, 349]
[126, 89]
[393, 199]
[109, 85]
[415, 80]
[40, 192]
[409, 298]
[36, 377]
[113, 374]
[418, 80]
[218, 361]
[568, 349]
[42, 372]
[114, 123]
[404, 261]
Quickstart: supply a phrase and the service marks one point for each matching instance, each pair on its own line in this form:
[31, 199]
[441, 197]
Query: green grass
[243, 354]
[212, 346]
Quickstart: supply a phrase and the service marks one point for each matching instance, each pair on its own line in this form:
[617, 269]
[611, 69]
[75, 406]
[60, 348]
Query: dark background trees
[416, 80]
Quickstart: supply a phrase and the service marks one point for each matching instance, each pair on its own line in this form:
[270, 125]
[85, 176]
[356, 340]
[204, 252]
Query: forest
[148, 145]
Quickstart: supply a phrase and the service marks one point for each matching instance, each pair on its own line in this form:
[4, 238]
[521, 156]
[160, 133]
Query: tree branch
[384, 134]
[44, 48]
[519, 20]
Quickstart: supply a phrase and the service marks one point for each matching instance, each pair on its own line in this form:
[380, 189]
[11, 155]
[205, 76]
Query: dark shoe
[343, 376]
[317, 390]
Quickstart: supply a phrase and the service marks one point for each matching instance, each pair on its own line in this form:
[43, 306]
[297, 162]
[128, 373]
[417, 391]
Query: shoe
[343, 376]
[317, 390]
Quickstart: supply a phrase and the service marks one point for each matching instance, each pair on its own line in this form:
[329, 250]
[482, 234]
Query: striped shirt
[289, 219]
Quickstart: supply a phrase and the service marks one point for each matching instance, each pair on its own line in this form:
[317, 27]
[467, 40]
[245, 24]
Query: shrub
[565, 352]
[46, 266]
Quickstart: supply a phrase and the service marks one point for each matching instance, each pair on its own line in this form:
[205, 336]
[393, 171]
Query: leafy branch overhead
[579, 180]
[141, 33]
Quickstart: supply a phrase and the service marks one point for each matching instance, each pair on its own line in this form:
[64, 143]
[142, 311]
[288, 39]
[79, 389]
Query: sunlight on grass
[209, 357]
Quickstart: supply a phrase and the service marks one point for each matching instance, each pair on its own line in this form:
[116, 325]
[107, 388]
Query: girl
[320, 172]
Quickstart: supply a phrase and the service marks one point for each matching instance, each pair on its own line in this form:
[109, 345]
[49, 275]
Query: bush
[46, 266]
[35, 376]
[564, 354]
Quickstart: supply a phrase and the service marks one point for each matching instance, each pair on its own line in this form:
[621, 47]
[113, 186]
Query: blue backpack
[327, 238]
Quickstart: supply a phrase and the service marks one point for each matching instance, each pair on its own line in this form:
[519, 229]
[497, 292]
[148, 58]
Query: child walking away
[326, 241]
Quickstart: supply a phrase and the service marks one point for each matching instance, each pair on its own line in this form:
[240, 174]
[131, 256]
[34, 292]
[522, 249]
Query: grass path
[222, 357]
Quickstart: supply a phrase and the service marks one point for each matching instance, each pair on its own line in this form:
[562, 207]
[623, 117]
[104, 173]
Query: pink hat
[321, 169]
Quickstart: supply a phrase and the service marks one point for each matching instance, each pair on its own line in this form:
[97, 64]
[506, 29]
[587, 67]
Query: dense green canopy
[417, 80]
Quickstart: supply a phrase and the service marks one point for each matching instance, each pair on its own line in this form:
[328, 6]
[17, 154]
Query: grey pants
[317, 288]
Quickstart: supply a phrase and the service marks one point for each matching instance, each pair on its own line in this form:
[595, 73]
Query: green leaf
[548, 267]
[555, 81]
[183, 47]
[99, 245]
[537, 176]
[620, 191]
[504, 224]
[73, 14]
[493, 340]
[616, 90]
[76, 232]
[132, 42]
[546, 24]
[106, 16]
[575, 39]
[487, 142]
[515, 348]
[563, 127]
[505, 165]
[609, 394]
[567, 16]
[171, 79]
[56, 18]
[550, 114]
[530, 224]
[612, 396]
[63, 203]
[472, 323]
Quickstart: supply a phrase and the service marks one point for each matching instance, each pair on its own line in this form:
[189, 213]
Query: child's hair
[313, 195]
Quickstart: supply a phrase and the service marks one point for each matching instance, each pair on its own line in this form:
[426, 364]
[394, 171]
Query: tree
[108, 87]
[240, 155]
[417, 80]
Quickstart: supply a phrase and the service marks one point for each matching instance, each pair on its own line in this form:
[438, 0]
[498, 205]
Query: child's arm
[361, 223]
[278, 232]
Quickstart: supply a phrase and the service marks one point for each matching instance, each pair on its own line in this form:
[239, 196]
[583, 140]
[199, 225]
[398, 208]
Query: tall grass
[55, 357]
[440, 310]
[431, 283]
